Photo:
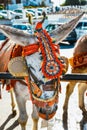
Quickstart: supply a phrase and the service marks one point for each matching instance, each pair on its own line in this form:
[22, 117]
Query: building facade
[37, 2]
[27, 2]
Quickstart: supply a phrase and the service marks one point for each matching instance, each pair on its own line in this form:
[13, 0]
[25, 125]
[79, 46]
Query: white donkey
[41, 66]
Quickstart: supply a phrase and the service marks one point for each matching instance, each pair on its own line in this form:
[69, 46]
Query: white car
[30, 11]
[3, 15]
[10, 14]
[25, 27]
[81, 28]
[18, 11]
[21, 12]
[34, 12]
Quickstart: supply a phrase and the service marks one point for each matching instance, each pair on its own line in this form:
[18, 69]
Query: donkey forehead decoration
[43, 60]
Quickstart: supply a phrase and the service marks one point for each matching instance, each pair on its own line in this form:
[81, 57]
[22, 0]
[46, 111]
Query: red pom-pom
[38, 26]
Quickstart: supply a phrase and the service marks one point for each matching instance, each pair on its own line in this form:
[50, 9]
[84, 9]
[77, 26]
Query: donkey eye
[41, 58]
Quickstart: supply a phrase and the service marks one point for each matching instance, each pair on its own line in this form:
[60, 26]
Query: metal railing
[66, 77]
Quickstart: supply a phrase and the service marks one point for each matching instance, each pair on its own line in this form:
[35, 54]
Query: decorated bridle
[51, 69]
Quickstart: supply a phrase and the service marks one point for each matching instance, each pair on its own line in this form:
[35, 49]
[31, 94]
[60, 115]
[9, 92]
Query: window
[50, 27]
[79, 26]
[4, 12]
[85, 26]
[18, 11]
[22, 27]
[82, 26]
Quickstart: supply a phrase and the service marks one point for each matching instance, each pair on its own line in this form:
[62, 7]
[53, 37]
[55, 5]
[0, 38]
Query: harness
[35, 93]
[43, 103]
[51, 68]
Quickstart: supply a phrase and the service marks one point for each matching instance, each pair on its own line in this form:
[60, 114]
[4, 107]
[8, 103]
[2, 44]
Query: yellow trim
[43, 100]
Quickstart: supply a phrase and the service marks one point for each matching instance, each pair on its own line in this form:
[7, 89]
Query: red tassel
[8, 87]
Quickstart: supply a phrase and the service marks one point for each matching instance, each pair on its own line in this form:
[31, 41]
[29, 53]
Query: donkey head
[43, 62]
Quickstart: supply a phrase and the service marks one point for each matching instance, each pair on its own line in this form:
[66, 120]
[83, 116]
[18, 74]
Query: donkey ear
[18, 36]
[62, 32]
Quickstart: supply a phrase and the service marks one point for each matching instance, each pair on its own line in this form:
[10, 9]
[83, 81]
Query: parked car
[12, 14]
[3, 16]
[70, 39]
[32, 12]
[20, 12]
[81, 28]
[25, 27]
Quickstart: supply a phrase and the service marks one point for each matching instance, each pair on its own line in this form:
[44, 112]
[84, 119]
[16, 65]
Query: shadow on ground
[15, 124]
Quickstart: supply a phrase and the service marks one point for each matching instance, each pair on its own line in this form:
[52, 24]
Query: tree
[43, 4]
[83, 2]
[75, 2]
[72, 2]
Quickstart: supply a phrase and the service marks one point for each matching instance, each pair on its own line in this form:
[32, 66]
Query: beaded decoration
[51, 64]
